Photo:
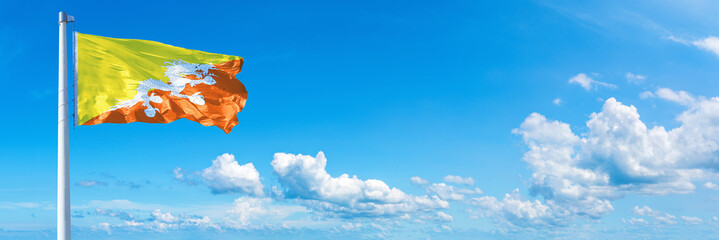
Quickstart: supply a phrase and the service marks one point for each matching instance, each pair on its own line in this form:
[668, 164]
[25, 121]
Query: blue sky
[451, 120]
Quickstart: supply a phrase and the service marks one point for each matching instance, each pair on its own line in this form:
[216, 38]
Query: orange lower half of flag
[222, 101]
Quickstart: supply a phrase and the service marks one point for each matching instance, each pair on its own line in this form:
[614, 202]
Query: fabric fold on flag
[128, 80]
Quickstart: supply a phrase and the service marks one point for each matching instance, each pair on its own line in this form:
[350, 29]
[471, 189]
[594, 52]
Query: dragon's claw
[197, 99]
[150, 112]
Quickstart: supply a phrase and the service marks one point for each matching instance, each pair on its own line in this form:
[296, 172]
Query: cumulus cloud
[305, 179]
[635, 78]
[448, 192]
[350, 226]
[660, 216]
[166, 217]
[227, 176]
[133, 223]
[445, 191]
[458, 180]
[515, 211]
[259, 212]
[103, 226]
[588, 83]
[579, 175]
[710, 44]
[164, 221]
[557, 101]
[711, 185]
[621, 153]
[245, 209]
[418, 180]
[444, 217]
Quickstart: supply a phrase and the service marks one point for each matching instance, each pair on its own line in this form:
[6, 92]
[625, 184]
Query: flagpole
[63, 157]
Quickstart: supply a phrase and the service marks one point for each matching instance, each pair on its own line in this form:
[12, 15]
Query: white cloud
[18, 205]
[227, 176]
[646, 94]
[588, 83]
[557, 101]
[635, 221]
[190, 178]
[445, 192]
[692, 220]
[158, 220]
[114, 213]
[710, 44]
[446, 228]
[711, 185]
[438, 217]
[167, 217]
[103, 226]
[643, 211]
[635, 78]
[350, 226]
[669, 219]
[444, 217]
[448, 192]
[91, 183]
[418, 180]
[179, 174]
[306, 179]
[515, 211]
[660, 216]
[133, 223]
[459, 180]
[245, 209]
[680, 97]
[632, 156]
[678, 40]
[203, 223]
[260, 212]
[714, 221]
[617, 155]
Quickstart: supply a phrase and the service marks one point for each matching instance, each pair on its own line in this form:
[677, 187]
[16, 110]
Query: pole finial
[63, 17]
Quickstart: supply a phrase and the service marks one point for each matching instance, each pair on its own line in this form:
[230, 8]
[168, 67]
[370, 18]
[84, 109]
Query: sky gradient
[385, 120]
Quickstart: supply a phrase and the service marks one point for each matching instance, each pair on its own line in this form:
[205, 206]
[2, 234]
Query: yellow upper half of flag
[110, 69]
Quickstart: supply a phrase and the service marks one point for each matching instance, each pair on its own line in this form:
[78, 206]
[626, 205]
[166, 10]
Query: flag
[130, 80]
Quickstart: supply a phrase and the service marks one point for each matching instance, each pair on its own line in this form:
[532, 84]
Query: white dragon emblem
[177, 72]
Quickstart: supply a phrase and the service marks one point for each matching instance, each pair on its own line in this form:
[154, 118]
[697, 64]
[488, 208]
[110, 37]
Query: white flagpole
[63, 157]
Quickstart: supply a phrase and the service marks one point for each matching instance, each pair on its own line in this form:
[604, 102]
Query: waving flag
[129, 80]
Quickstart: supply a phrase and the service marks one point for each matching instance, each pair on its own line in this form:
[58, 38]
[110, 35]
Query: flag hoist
[129, 80]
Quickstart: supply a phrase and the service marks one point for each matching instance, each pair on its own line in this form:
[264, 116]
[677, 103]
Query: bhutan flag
[129, 80]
